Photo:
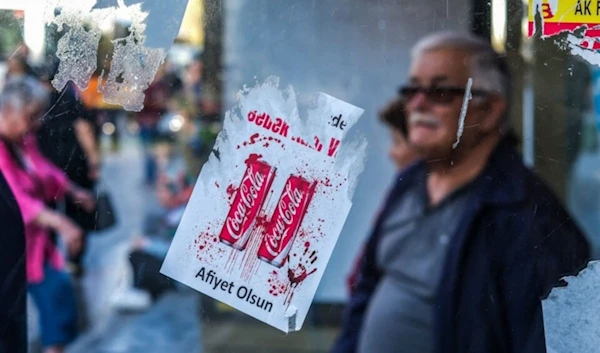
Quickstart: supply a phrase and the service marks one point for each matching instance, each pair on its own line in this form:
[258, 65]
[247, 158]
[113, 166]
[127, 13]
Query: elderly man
[469, 240]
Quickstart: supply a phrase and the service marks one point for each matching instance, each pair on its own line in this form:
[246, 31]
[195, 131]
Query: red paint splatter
[204, 243]
[253, 157]
[253, 139]
[231, 190]
[261, 220]
[298, 274]
[277, 286]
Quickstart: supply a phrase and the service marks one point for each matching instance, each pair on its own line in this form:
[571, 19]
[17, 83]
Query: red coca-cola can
[247, 202]
[287, 218]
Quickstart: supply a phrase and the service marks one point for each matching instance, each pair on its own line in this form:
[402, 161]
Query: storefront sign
[567, 15]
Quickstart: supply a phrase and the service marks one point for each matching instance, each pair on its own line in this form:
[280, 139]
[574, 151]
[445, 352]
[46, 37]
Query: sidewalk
[233, 336]
[169, 326]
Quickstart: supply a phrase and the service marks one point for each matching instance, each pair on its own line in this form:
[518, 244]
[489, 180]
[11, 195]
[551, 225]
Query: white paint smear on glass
[133, 65]
[571, 314]
[266, 124]
[463, 112]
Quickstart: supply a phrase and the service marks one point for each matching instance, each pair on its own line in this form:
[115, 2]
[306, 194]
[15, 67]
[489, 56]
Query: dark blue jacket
[13, 315]
[514, 243]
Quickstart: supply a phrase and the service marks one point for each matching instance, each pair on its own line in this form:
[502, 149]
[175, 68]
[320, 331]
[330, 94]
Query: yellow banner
[567, 11]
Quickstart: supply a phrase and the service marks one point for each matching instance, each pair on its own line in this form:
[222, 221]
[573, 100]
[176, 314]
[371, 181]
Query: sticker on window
[577, 21]
[269, 205]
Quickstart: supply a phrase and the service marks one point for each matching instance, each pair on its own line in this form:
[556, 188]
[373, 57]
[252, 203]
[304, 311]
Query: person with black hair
[66, 137]
[400, 152]
[18, 68]
[394, 116]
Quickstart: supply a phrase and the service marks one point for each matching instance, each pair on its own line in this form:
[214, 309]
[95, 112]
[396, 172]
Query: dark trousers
[146, 274]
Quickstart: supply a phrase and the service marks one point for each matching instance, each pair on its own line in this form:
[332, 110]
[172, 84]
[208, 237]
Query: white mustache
[422, 118]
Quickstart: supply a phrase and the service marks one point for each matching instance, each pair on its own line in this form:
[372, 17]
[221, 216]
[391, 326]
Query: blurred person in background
[66, 138]
[18, 68]
[193, 86]
[155, 105]
[103, 115]
[400, 152]
[13, 308]
[205, 115]
[469, 240]
[173, 190]
[35, 183]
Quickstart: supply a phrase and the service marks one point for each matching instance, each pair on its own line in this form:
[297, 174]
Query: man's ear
[493, 110]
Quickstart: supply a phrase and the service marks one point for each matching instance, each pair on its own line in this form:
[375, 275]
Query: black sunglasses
[437, 94]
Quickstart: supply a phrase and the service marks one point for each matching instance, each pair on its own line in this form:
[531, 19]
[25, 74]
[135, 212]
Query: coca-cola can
[247, 202]
[287, 218]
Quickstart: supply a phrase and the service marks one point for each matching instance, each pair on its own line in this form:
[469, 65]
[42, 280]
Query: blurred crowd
[50, 157]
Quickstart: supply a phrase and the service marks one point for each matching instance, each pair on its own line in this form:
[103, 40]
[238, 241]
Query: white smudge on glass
[571, 314]
[463, 112]
[133, 65]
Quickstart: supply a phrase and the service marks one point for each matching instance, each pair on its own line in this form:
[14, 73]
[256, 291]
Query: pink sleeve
[30, 207]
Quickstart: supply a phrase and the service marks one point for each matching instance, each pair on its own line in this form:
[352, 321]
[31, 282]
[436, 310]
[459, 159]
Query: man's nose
[418, 101]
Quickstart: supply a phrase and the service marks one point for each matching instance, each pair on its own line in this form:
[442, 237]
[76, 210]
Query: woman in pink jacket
[35, 182]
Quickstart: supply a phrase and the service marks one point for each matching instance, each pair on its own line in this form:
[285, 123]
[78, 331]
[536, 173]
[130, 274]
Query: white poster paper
[269, 205]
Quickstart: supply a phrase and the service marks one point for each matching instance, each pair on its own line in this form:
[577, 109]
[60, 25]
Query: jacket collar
[503, 180]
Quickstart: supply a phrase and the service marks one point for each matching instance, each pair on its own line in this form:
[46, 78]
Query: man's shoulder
[538, 224]
[538, 206]
[541, 199]
[517, 187]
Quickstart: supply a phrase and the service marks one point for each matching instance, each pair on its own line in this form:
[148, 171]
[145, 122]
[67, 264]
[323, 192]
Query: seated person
[150, 249]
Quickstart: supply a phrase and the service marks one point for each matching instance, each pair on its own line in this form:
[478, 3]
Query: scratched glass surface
[151, 81]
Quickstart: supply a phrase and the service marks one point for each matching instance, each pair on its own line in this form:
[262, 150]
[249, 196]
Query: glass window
[127, 100]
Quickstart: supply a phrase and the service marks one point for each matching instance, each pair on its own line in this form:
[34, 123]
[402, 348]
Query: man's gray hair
[488, 69]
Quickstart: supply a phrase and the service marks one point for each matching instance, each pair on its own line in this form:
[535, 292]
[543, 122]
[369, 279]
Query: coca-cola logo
[248, 196]
[286, 211]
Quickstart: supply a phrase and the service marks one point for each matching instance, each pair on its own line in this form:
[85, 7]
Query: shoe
[76, 270]
[130, 300]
